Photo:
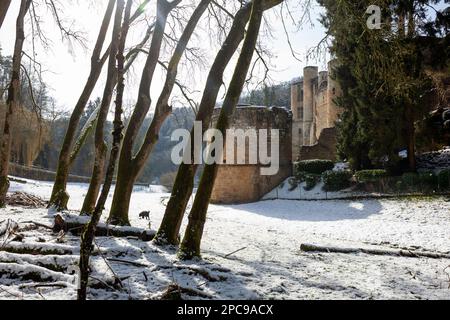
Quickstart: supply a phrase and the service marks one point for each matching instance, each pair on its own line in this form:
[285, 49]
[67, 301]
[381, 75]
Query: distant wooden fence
[40, 174]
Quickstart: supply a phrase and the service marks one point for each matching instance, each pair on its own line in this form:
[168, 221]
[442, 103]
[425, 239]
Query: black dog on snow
[144, 215]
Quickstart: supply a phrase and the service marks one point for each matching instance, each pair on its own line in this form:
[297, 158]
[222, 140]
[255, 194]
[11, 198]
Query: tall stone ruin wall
[244, 183]
[324, 149]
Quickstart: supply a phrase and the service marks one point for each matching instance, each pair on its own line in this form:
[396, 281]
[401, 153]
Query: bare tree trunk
[60, 197]
[184, 182]
[88, 235]
[12, 101]
[410, 114]
[190, 246]
[4, 6]
[100, 144]
[411, 138]
[163, 110]
[127, 174]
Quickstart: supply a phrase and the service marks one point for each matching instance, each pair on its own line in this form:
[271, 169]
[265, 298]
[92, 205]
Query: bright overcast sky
[67, 67]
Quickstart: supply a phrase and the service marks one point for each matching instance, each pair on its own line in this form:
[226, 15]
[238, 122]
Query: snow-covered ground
[270, 264]
[286, 192]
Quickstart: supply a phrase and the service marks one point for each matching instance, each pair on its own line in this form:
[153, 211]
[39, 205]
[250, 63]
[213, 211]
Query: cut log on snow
[33, 273]
[76, 224]
[37, 248]
[57, 263]
[16, 180]
[373, 251]
[58, 285]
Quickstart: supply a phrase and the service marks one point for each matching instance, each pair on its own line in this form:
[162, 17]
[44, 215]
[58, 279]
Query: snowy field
[269, 265]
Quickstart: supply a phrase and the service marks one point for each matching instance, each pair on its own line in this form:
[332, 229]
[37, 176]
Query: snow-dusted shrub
[310, 179]
[293, 184]
[443, 178]
[423, 182]
[313, 166]
[410, 179]
[429, 179]
[370, 175]
[336, 180]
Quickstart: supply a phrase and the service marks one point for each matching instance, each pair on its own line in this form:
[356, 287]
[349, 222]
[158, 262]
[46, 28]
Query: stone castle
[306, 132]
[314, 114]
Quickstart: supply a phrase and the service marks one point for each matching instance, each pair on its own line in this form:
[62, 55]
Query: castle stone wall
[324, 149]
[244, 183]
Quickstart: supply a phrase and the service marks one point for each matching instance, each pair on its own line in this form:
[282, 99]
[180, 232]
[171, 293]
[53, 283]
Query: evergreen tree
[383, 78]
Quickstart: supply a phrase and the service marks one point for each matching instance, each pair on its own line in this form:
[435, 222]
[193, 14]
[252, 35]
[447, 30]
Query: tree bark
[12, 101]
[410, 114]
[169, 230]
[60, 197]
[163, 110]
[190, 246]
[87, 238]
[411, 138]
[100, 144]
[4, 6]
[127, 174]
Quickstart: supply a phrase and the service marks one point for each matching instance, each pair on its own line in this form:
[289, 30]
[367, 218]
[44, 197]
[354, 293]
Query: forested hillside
[275, 95]
[40, 127]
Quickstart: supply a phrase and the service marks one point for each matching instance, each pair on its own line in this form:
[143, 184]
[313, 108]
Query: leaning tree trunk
[190, 247]
[12, 101]
[60, 197]
[88, 235]
[411, 137]
[127, 174]
[163, 110]
[410, 114]
[100, 144]
[4, 6]
[184, 182]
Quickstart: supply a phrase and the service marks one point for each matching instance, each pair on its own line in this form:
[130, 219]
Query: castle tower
[310, 75]
[297, 117]
[333, 92]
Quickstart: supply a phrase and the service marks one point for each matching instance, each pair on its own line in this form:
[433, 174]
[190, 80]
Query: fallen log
[33, 273]
[76, 225]
[373, 251]
[37, 248]
[12, 179]
[57, 263]
[175, 293]
[26, 200]
[44, 285]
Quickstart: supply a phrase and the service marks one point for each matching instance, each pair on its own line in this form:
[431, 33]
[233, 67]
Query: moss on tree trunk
[117, 48]
[122, 195]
